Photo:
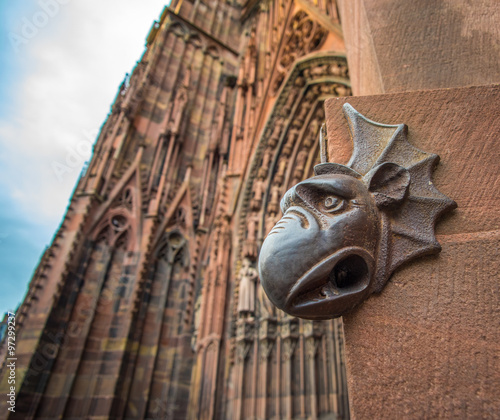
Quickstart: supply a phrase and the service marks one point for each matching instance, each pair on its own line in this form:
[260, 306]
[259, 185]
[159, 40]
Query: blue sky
[61, 62]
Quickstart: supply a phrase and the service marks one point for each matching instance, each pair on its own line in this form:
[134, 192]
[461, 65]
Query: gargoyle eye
[333, 203]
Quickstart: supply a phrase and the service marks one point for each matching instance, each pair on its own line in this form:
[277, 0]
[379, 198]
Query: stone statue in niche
[264, 167]
[248, 278]
[250, 249]
[197, 318]
[348, 228]
[258, 192]
[273, 206]
[275, 136]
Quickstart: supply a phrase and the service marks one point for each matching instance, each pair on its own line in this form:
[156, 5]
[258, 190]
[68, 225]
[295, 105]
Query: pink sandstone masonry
[429, 345]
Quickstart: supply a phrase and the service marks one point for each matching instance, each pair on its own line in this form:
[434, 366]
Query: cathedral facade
[147, 304]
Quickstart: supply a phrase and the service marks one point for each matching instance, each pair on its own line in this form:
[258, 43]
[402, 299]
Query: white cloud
[72, 70]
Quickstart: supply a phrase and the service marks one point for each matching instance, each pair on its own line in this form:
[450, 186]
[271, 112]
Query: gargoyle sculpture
[345, 230]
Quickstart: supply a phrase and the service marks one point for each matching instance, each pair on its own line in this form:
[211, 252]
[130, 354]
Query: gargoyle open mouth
[336, 284]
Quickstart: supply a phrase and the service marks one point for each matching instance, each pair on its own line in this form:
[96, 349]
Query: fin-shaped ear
[389, 184]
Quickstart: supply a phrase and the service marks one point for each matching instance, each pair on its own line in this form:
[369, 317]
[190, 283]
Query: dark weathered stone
[347, 229]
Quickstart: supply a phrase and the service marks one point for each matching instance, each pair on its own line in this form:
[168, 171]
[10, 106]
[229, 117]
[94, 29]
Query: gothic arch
[196, 41]
[303, 35]
[273, 344]
[213, 51]
[163, 304]
[116, 225]
[172, 243]
[288, 145]
[178, 29]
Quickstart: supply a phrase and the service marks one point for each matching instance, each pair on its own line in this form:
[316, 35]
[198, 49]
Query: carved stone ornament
[345, 230]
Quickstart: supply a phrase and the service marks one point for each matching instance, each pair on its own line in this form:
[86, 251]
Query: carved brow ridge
[337, 187]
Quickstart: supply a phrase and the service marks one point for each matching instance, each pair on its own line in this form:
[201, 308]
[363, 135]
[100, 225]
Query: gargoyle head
[344, 231]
